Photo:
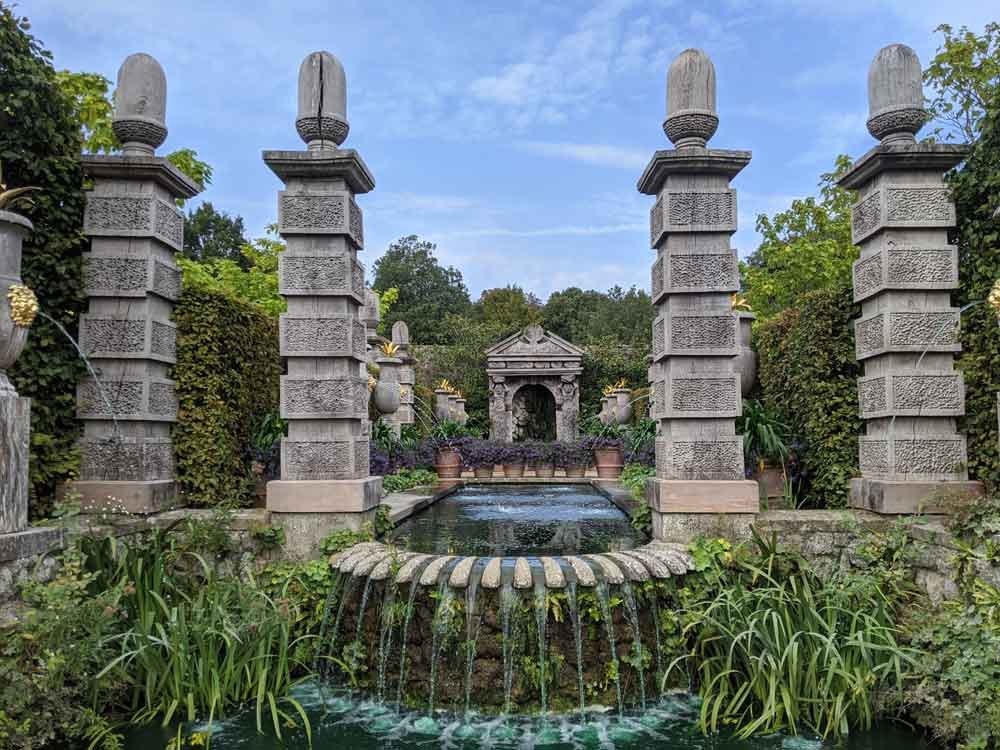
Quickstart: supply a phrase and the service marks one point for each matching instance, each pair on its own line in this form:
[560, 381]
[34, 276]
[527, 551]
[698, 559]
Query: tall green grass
[777, 648]
[197, 645]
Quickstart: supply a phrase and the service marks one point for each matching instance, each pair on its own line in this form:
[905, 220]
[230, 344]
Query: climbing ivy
[40, 145]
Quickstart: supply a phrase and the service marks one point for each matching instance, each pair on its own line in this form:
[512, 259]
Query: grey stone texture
[132, 283]
[697, 337]
[324, 395]
[908, 334]
[534, 356]
[405, 377]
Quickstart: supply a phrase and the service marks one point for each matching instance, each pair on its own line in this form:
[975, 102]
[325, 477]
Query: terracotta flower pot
[576, 471]
[609, 462]
[771, 481]
[483, 472]
[448, 463]
[513, 470]
[545, 471]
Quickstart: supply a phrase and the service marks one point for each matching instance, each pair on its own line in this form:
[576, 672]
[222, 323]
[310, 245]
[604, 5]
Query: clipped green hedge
[227, 371]
[40, 145]
[807, 375]
[977, 194]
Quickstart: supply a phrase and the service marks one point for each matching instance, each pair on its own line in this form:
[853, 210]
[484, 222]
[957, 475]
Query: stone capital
[154, 169]
[936, 157]
[690, 161]
[326, 164]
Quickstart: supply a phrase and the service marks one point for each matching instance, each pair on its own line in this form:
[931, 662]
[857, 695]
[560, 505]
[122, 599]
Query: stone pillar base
[28, 543]
[305, 531]
[894, 497]
[126, 497]
[683, 528]
[702, 496]
[324, 495]
[15, 429]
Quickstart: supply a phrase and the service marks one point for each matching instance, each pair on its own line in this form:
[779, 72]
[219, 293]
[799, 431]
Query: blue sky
[511, 134]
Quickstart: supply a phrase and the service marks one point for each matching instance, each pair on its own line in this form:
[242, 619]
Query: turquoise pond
[341, 721]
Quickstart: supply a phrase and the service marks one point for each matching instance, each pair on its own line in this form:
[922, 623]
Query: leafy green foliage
[92, 109]
[342, 539]
[808, 378]
[427, 292]
[406, 479]
[634, 477]
[965, 77]
[779, 648]
[507, 309]
[211, 234]
[806, 247]
[764, 435]
[227, 375]
[40, 145]
[976, 190]
[586, 317]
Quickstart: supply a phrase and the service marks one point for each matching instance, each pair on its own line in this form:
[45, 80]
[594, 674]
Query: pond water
[342, 722]
[519, 519]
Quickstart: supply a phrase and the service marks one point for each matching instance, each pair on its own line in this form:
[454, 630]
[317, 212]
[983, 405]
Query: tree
[582, 316]
[210, 234]
[427, 292]
[508, 309]
[805, 247]
[40, 141]
[964, 76]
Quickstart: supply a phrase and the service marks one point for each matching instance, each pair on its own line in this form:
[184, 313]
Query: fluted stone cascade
[911, 455]
[132, 283]
[325, 480]
[696, 392]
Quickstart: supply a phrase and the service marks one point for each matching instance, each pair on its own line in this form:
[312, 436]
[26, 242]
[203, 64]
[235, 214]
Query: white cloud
[838, 133]
[598, 154]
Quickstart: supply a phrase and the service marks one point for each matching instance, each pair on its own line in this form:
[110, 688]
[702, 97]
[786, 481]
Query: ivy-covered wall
[807, 375]
[977, 195]
[227, 372]
[40, 146]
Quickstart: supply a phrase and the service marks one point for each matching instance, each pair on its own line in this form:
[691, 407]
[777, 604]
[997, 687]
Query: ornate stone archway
[534, 356]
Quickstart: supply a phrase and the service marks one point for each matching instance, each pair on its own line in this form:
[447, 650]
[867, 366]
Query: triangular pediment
[534, 341]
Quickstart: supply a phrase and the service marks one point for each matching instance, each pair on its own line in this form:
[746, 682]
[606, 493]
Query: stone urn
[746, 360]
[622, 406]
[607, 415]
[13, 334]
[386, 395]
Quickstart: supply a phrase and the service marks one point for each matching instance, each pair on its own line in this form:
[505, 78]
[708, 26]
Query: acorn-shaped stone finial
[140, 101]
[691, 115]
[322, 120]
[895, 95]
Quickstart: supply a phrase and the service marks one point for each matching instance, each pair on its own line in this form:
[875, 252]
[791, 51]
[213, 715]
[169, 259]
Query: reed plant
[775, 648]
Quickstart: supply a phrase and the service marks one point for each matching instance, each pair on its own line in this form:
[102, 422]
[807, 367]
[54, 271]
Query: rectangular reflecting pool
[519, 519]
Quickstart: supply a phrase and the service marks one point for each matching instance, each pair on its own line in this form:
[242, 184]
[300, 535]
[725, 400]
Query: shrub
[40, 144]
[406, 479]
[808, 380]
[227, 373]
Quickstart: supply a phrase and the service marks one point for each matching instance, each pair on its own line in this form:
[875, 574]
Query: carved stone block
[128, 338]
[923, 457]
[902, 267]
[127, 399]
[323, 459]
[907, 331]
[700, 459]
[902, 207]
[322, 337]
[109, 276]
[333, 213]
[916, 393]
[324, 398]
[694, 273]
[133, 216]
[329, 274]
[704, 210]
[695, 334]
[127, 459]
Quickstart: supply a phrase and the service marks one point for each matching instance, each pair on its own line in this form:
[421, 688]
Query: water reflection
[519, 520]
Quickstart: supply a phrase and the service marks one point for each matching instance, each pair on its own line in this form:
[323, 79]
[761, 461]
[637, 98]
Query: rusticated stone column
[695, 388]
[324, 460]
[132, 283]
[909, 396]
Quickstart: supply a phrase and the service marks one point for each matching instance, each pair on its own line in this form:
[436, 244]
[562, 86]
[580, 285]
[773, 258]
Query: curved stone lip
[9, 217]
[651, 561]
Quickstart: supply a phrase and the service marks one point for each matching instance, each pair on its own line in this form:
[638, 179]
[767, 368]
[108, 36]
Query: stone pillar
[405, 376]
[324, 460]
[18, 307]
[696, 388]
[132, 283]
[908, 334]
[443, 405]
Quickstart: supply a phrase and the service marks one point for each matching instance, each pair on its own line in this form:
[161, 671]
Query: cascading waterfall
[336, 584]
[442, 618]
[385, 635]
[632, 613]
[655, 611]
[348, 588]
[605, 604]
[508, 599]
[473, 619]
[362, 608]
[541, 616]
[414, 586]
[574, 615]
